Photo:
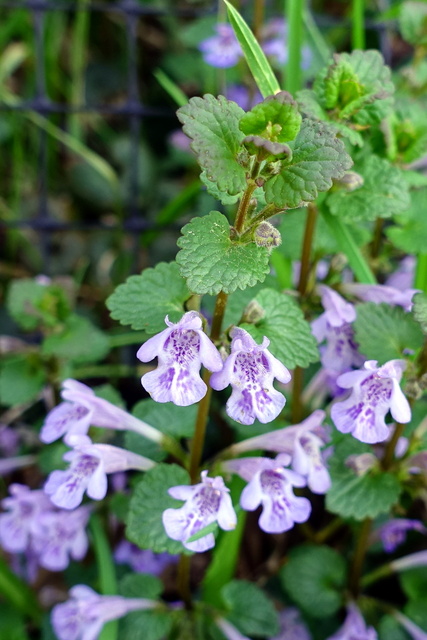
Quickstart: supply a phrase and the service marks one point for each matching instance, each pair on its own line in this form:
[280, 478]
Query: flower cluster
[32, 525]
[250, 369]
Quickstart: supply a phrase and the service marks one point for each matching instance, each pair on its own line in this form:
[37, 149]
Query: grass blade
[345, 241]
[255, 57]
[106, 572]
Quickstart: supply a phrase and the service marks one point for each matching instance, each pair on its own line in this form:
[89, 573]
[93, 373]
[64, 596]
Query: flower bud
[350, 181]
[267, 236]
[253, 313]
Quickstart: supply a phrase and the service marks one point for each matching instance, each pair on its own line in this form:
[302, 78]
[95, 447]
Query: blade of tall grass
[347, 245]
[18, 593]
[255, 57]
[172, 89]
[358, 24]
[79, 44]
[421, 273]
[316, 38]
[106, 572]
[294, 11]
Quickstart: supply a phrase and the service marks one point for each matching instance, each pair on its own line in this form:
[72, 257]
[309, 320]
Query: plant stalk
[358, 24]
[388, 456]
[294, 14]
[359, 556]
[310, 226]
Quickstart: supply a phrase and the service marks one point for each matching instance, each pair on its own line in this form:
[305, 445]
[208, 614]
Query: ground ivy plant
[304, 404]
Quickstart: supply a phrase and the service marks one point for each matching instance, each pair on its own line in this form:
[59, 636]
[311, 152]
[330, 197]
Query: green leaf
[411, 230]
[413, 22]
[390, 629]
[357, 86]
[150, 499]
[249, 609]
[291, 340]
[384, 332]
[414, 582]
[211, 262]
[419, 310]
[314, 578]
[21, 380]
[213, 125]
[143, 301]
[169, 419]
[33, 305]
[255, 57]
[280, 110]
[382, 195]
[143, 625]
[359, 497]
[80, 341]
[318, 156]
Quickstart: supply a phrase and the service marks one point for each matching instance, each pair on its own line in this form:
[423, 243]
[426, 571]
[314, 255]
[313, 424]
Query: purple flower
[271, 485]
[83, 616]
[382, 293]
[229, 630]
[90, 464]
[334, 326]
[83, 408]
[24, 507]
[251, 369]
[411, 561]
[375, 391]
[222, 50]
[59, 536]
[403, 277]
[206, 502]
[307, 460]
[142, 560]
[302, 442]
[354, 627]
[181, 349]
[414, 630]
[242, 96]
[291, 626]
[393, 532]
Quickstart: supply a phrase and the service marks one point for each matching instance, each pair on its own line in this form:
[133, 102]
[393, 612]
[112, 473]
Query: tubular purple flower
[283, 440]
[291, 626]
[414, 630]
[375, 391]
[393, 533]
[354, 627]
[229, 630]
[381, 293]
[307, 460]
[83, 616]
[222, 50]
[334, 326]
[24, 507]
[59, 536]
[181, 350]
[142, 560]
[206, 502]
[418, 559]
[82, 408]
[271, 485]
[250, 369]
[90, 464]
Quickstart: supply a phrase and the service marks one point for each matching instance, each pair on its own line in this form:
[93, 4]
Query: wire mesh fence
[131, 112]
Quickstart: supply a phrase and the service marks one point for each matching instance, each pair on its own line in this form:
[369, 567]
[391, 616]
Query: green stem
[307, 244]
[297, 386]
[376, 574]
[124, 339]
[421, 272]
[328, 531]
[388, 456]
[359, 556]
[183, 580]
[106, 572]
[378, 234]
[243, 207]
[358, 24]
[294, 13]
